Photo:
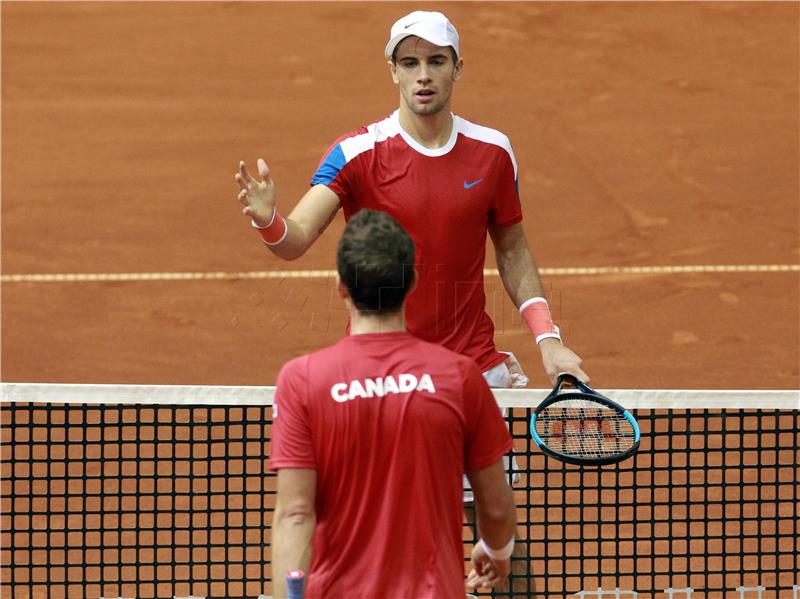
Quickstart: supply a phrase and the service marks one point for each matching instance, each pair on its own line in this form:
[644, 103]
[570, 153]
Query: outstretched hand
[559, 359]
[257, 197]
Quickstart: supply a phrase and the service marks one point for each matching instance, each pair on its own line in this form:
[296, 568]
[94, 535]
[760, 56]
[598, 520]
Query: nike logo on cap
[410, 24]
[473, 184]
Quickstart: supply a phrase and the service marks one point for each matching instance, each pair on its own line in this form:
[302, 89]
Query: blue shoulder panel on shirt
[330, 167]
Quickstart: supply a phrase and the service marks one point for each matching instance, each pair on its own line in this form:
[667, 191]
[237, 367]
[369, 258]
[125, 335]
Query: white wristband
[556, 335]
[498, 555]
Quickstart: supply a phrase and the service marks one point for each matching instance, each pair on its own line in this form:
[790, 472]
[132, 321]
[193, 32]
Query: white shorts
[498, 377]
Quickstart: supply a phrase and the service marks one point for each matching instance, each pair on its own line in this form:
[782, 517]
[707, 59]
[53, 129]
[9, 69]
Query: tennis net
[162, 491]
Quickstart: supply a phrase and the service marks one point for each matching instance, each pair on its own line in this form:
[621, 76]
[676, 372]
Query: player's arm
[521, 279]
[497, 521]
[287, 238]
[293, 524]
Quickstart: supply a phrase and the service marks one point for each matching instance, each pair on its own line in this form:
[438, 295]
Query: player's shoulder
[486, 139]
[294, 369]
[482, 133]
[309, 369]
[365, 138]
[322, 356]
[318, 364]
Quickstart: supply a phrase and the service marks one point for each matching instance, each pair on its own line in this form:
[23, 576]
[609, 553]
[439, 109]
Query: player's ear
[414, 280]
[393, 70]
[459, 68]
[341, 288]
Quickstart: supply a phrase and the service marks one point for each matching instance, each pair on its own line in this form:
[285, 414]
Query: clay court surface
[658, 135]
[662, 136]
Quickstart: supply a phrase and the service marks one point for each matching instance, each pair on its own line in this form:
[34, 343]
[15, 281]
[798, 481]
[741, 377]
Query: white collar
[415, 145]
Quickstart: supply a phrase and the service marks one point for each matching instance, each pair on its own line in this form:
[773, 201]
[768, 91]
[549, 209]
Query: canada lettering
[381, 386]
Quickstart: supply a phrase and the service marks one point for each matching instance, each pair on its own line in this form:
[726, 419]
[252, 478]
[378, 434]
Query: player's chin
[426, 109]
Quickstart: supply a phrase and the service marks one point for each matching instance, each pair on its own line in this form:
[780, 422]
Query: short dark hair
[375, 260]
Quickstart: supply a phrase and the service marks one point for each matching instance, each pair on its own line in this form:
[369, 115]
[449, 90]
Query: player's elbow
[495, 508]
[294, 522]
[294, 511]
[288, 253]
[500, 511]
[293, 247]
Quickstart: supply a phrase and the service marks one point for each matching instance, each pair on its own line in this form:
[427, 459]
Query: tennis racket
[583, 426]
[294, 584]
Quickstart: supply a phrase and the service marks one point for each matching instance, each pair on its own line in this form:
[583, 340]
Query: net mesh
[164, 498]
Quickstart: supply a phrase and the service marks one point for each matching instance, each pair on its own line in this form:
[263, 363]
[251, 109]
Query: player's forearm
[494, 504]
[297, 241]
[520, 275]
[288, 238]
[307, 221]
[516, 265]
[497, 521]
[291, 546]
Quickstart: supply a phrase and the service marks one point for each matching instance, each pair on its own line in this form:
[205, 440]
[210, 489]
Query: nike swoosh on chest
[471, 184]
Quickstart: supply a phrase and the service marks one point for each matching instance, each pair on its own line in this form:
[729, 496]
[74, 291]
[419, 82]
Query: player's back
[389, 417]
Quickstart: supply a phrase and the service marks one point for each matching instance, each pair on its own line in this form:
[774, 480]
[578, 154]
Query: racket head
[583, 427]
[294, 584]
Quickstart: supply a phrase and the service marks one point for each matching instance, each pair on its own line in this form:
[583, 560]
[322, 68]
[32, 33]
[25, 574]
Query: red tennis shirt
[390, 423]
[446, 199]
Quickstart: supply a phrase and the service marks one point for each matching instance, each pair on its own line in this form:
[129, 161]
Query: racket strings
[584, 429]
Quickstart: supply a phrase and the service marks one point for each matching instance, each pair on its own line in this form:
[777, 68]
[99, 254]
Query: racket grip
[574, 381]
[294, 584]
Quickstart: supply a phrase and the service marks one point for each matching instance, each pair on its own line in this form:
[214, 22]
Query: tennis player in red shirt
[450, 183]
[371, 438]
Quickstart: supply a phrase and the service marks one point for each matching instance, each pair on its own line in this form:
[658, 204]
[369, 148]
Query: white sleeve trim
[488, 135]
[364, 142]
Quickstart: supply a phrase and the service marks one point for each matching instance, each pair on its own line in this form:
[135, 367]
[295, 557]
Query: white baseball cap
[430, 26]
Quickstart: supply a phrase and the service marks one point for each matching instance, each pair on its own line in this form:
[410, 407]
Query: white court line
[325, 274]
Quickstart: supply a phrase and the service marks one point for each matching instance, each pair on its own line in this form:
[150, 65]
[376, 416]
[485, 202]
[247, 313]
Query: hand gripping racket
[294, 584]
[583, 426]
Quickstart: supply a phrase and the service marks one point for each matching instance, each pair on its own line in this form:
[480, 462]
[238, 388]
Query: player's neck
[431, 131]
[361, 323]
